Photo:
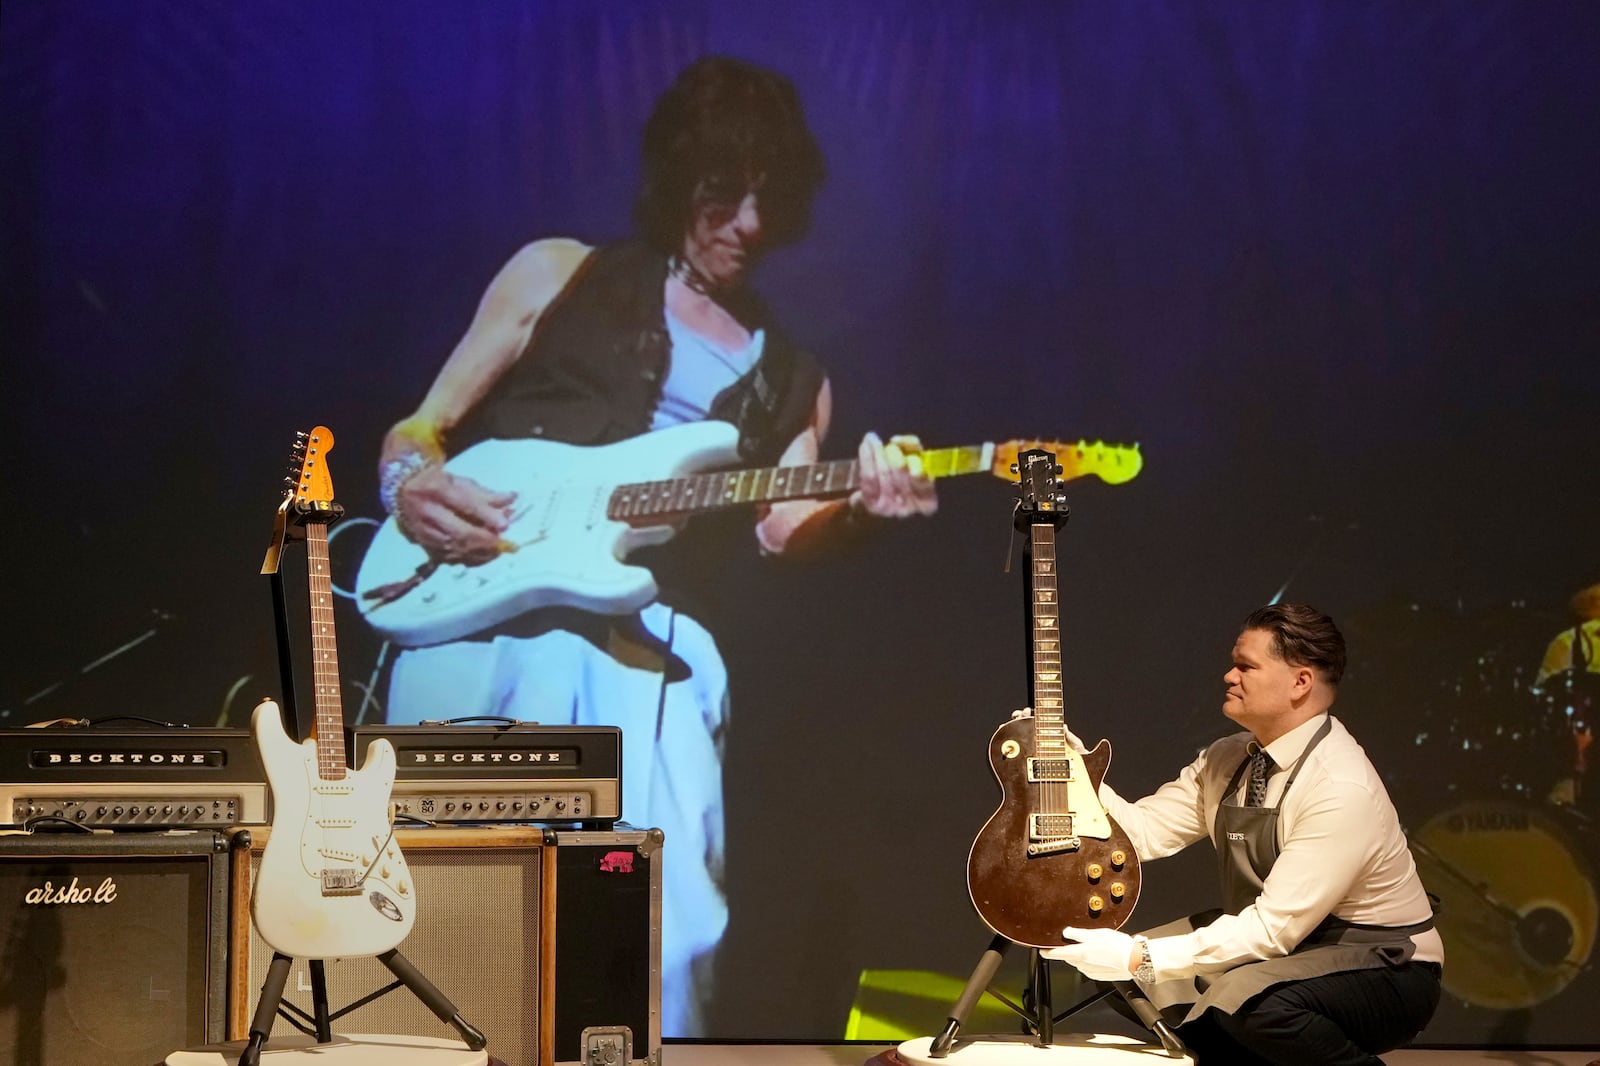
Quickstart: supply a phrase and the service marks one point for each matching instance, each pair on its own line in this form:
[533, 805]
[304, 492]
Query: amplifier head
[165, 777]
[526, 751]
[519, 773]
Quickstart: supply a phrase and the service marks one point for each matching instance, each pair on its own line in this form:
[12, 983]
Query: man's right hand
[454, 519]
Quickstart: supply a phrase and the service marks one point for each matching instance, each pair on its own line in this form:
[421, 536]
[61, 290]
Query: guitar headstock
[1111, 463]
[309, 492]
[1039, 488]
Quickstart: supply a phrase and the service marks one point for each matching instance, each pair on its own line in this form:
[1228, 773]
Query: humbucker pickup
[1049, 826]
[1052, 769]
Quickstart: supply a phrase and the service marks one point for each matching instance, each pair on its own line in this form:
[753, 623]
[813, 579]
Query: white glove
[1099, 954]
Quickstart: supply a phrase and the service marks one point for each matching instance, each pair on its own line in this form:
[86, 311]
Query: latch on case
[607, 1045]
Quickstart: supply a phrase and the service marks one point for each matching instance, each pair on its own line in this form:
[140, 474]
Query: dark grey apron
[1247, 846]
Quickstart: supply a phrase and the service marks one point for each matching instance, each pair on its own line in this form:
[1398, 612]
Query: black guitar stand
[1036, 1008]
[319, 1022]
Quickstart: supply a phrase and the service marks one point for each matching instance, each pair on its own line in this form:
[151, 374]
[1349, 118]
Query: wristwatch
[1145, 974]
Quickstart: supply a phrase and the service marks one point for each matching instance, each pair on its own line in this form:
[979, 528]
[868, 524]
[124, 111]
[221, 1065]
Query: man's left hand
[1099, 954]
[893, 483]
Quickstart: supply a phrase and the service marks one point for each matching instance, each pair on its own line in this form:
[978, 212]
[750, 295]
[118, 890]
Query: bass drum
[1517, 903]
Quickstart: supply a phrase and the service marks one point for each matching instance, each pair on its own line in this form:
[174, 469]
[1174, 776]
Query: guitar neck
[683, 496]
[329, 727]
[1049, 724]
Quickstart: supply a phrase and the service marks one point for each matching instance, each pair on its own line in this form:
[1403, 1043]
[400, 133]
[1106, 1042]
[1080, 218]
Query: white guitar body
[332, 882]
[568, 553]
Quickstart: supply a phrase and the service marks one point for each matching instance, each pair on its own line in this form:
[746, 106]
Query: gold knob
[1118, 890]
[1095, 870]
[1096, 904]
[1119, 859]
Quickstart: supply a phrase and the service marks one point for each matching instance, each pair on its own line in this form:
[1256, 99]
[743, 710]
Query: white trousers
[672, 734]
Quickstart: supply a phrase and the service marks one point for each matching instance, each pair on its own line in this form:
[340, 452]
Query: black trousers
[1339, 1019]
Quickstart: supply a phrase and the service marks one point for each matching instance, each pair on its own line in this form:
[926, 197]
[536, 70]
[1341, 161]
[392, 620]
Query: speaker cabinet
[550, 942]
[114, 946]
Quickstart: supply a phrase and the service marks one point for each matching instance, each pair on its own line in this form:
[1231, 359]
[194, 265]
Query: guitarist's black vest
[593, 373]
[593, 370]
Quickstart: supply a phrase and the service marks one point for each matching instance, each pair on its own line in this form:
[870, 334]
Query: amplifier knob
[561, 805]
[117, 811]
[500, 806]
[100, 812]
[167, 809]
[484, 805]
[151, 810]
[517, 806]
[81, 815]
[448, 807]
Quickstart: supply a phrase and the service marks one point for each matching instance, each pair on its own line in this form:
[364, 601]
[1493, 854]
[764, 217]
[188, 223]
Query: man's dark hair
[723, 126]
[1302, 636]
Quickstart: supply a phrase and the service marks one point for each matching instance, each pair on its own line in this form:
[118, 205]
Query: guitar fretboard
[329, 729]
[1049, 724]
[706, 492]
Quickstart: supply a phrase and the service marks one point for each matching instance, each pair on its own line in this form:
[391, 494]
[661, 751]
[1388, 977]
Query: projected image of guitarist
[658, 349]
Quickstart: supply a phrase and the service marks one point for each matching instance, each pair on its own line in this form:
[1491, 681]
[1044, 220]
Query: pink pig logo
[617, 862]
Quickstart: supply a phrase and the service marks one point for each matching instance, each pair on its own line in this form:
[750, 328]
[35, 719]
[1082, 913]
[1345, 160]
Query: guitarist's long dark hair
[723, 127]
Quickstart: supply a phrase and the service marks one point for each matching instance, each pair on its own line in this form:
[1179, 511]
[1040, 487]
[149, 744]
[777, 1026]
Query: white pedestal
[355, 1049]
[1068, 1049]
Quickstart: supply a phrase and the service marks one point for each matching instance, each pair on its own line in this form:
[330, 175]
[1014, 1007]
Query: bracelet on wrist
[1145, 972]
[394, 475]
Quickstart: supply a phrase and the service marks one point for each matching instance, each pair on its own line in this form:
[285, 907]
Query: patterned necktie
[1260, 766]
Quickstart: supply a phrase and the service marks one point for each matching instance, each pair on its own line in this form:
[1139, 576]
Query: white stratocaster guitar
[575, 520]
[332, 881]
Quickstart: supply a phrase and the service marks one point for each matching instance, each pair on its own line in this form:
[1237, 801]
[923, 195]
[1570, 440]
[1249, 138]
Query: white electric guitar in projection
[332, 881]
[579, 511]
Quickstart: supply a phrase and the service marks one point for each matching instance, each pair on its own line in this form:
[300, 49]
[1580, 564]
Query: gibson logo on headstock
[52, 894]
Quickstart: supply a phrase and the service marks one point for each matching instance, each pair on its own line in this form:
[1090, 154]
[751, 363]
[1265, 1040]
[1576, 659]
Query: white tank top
[699, 369]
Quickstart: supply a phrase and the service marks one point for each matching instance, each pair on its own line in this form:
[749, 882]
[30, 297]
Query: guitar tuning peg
[1058, 471]
[1015, 469]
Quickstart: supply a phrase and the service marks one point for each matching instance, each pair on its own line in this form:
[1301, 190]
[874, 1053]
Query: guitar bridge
[341, 882]
[1050, 847]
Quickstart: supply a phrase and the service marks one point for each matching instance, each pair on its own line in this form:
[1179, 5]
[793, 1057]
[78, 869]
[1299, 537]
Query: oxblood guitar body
[1052, 855]
[1030, 899]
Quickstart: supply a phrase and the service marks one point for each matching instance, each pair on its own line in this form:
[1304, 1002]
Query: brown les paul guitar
[1051, 856]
